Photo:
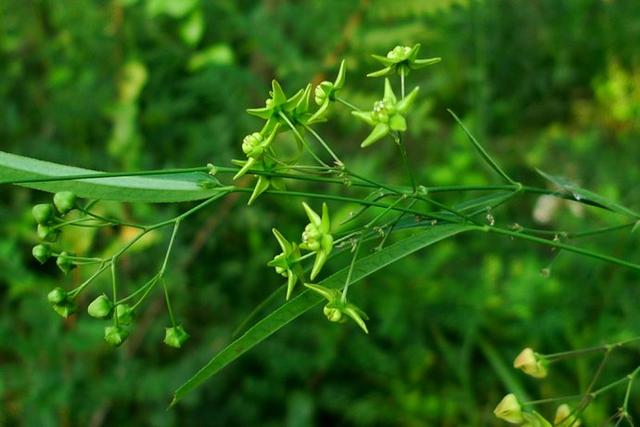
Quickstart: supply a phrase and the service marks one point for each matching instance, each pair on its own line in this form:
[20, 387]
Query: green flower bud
[251, 145]
[509, 410]
[124, 314]
[100, 307]
[531, 363]
[65, 309]
[563, 417]
[57, 295]
[322, 92]
[43, 213]
[333, 314]
[64, 201]
[64, 263]
[42, 253]
[399, 53]
[47, 233]
[175, 336]
[115, 335]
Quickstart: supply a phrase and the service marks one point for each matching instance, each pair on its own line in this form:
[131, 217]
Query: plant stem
[347, 103]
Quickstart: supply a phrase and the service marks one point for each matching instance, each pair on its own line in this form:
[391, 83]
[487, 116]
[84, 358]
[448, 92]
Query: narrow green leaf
[179, 187]
[306, 300]
[485, 155]
[582, 195]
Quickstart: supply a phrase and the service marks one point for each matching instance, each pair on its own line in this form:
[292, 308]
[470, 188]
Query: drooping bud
[42, 253]
[124, 314]
[531, 363]
[43, 213]
[100, 307]
[48, 233]
[64, 262]
[509, 410]
[175, 336]
[65, 309]
[57, 295]
[564, 418]
[115, 335]
[64, 201]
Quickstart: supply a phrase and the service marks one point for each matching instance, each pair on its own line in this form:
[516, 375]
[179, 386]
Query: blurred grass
[154, 83]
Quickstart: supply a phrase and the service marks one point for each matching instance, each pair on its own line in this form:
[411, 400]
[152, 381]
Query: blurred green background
[139, 84]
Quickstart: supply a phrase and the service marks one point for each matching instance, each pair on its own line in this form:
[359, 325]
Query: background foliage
[133, 84]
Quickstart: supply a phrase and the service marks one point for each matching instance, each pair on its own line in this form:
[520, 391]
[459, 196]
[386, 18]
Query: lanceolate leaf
[306, 300]
[159, 188]
[586, 196]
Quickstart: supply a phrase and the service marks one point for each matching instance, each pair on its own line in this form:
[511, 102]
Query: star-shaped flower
[336, 309]
[286, 263]
[317, 237]
[401, 60]
[387, 115]
[325, 93]
[295, 108]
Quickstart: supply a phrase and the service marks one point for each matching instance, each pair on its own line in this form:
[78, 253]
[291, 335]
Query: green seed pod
[42, 253]
[175, 336]
[43, 213]
[115, 335]
[64, 201]
[100, 307]
[57, 296]
[64, 263]
[47, 233]
[124, 314]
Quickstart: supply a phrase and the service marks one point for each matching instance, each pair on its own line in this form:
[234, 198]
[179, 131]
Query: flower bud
[100, 307]
[333, 314]
[399, 53]
[509, 410]
[251, 143]
[531, 363]
[64, 201]
[47, 233]
[564, 418]
[322, 92]
[175, 336]
[64, 263]
[115, 335]
[57, 295]
[43, 213]
[42, 253]
[65, 309]
[124, 314]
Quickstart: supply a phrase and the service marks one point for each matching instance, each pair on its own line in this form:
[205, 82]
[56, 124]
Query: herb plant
[392, 221]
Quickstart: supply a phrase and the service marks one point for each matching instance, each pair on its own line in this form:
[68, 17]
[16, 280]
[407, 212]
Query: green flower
[387, 115]
[401, 60]
[294, 108]
[317, 237]
[336, 309]
[264, 182]
[254, 146]
[286, 263]
[325, 93]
